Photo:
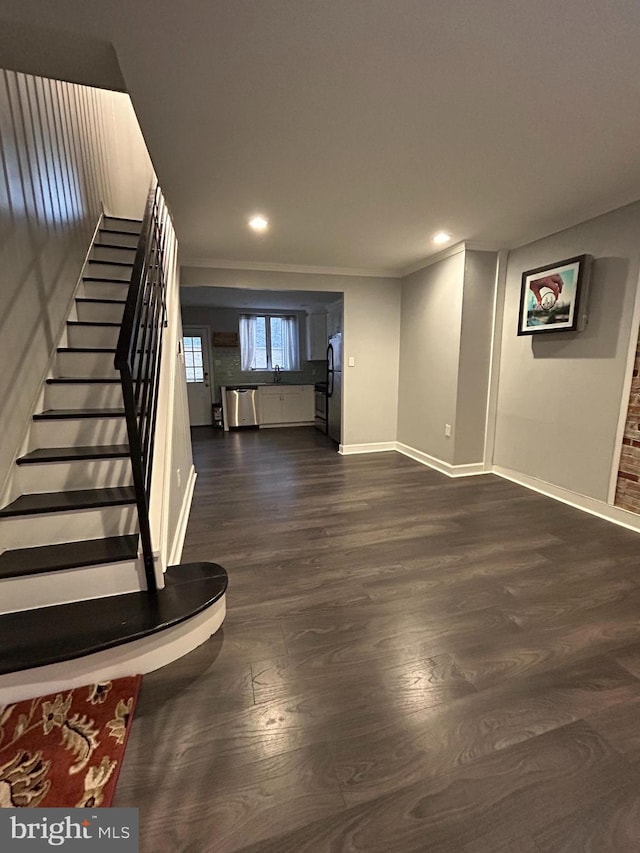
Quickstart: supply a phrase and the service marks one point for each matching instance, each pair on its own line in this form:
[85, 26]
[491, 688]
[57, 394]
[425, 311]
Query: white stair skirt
[54, 528]
[100, 312]
[38, 477]
[78, 432]
[86, 364]
[93, 336]
[67, 585]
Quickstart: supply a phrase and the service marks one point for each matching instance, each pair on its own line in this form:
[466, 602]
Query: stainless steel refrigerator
[334, 387]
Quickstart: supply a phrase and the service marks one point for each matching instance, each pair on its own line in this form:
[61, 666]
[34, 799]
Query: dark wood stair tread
[111, 263]
[84, 380]
[64, 414]
[86, 349]
[34, 504]
[109, 230]
[91, 323]
[66, 631]
[106, 279]
[70, 454]
[91, 301]
[69, 555]
[111, 246]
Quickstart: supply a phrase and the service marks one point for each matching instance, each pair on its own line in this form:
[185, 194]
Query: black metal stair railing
[138, 356]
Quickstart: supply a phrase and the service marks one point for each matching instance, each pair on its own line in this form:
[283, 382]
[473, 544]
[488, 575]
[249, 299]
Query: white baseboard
[470, 470]
[601, 509]
[614, 514]
[177, 545]
[373, 447]
[134, 658]
[286, 425]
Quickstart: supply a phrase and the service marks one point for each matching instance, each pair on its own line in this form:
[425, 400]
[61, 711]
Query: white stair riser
[77, 432]
[100, 312]
[54, 528]
[85, 396]
[98, 270]
[87, 474]
[115, 239]
[104, 290]
[93, 336]
[79, 584]
[121, 224]
[122, 256]
[85, 364]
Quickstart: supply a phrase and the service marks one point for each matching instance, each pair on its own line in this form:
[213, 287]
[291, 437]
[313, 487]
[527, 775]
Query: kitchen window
[193, 364]
[268, 341]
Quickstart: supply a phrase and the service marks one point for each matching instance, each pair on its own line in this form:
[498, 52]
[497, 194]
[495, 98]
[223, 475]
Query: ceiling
[268, 300]
[361, 127]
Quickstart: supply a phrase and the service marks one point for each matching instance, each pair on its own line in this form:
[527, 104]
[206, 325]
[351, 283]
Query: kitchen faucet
[276, 373]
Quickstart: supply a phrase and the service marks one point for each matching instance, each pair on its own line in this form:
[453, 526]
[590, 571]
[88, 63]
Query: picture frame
[553, 298]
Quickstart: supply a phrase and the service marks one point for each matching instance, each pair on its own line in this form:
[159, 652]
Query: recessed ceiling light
[259, 223]
[441, 237]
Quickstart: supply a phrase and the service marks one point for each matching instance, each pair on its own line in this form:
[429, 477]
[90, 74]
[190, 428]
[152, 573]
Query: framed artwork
[553, 297]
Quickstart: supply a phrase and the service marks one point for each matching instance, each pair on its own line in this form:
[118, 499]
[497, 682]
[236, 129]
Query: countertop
[267, 384]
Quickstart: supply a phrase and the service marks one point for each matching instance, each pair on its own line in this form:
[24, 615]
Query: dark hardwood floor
[409, 663]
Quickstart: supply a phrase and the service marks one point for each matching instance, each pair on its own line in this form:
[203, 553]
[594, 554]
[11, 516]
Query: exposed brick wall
[628, 485]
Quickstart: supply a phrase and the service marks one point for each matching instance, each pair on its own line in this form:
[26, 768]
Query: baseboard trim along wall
[601, 509]
[614, 514]
[177, 545]
[373, 447]
[444, 467]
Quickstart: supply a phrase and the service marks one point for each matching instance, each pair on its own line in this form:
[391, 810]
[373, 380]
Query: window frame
[194, 367]
[268, 316]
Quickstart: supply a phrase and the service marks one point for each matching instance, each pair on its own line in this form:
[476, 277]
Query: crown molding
[449, 252]
[215, 263]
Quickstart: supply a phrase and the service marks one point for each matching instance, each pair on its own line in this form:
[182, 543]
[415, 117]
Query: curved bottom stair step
[64, 632]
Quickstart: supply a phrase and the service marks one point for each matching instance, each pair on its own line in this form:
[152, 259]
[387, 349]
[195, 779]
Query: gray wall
[429, 351]
[445, 347]
[475, 352]
[371, 337]
[66, 151]
[560, 396]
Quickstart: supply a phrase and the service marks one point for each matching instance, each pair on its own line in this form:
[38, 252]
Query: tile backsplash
[227, 371]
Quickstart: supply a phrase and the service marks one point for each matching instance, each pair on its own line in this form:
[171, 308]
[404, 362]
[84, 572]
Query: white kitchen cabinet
[299, 408]
[317, 336]
[334, 318]
[286, 405]
[269, 407]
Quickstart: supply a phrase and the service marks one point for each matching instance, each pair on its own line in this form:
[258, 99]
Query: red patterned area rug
[65, 750]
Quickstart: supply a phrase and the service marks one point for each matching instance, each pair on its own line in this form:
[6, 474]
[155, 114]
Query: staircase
[71, 530]
[76, 503]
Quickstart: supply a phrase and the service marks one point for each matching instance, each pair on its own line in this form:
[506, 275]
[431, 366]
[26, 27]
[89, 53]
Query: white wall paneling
[66, 152]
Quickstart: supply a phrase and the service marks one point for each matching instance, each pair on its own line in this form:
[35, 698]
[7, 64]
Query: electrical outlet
[352, 361]
[179, 473]
[447, 430]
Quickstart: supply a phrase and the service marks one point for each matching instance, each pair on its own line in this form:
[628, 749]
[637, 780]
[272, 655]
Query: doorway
[197, 365]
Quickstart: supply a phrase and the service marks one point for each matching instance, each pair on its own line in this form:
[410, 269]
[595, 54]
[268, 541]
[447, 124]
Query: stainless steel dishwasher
[242, 406]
